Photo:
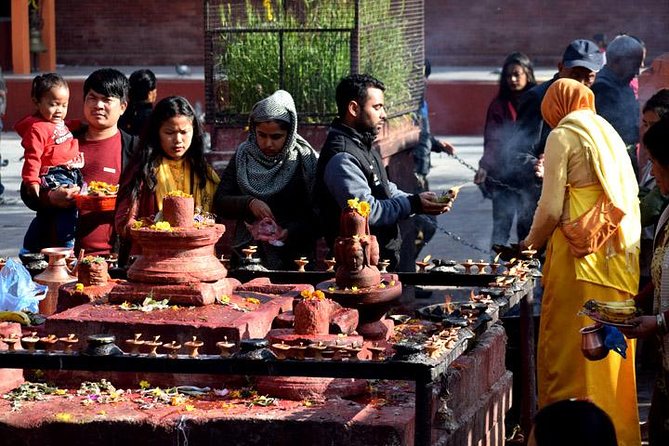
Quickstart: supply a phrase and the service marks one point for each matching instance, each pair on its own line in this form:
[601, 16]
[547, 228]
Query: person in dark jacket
[516, 77]
[143, 93]
[349, 167]
[523, 154]
[614, 97]
[268, 187]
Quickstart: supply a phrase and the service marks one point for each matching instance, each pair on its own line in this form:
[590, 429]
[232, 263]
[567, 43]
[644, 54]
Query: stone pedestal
[372, 304]
[178, 256]
[194, 293]
[10, 378]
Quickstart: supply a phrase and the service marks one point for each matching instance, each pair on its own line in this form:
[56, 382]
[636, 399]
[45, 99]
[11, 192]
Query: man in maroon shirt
[107, 149]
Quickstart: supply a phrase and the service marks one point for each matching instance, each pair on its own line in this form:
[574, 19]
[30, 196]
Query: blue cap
[583, 53]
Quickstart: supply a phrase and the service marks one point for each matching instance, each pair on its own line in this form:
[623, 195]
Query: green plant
[304, 47]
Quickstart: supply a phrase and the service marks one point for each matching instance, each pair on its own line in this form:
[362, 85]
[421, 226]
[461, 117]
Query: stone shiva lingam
[93, 283]
[319, 324]
[177, 259]
[358, 283]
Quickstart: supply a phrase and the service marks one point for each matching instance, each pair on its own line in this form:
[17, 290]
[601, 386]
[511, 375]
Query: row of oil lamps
[149, 347]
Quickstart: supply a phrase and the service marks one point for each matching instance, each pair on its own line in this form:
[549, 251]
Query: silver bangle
[661, 324]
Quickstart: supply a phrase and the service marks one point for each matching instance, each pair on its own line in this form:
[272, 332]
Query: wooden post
[20, 37]
[47, 60]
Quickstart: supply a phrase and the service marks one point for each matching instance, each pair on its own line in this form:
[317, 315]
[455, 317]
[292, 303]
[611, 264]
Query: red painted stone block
[10, 378]
[344, 321]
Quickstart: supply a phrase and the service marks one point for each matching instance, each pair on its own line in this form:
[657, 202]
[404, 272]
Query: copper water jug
[55, 275]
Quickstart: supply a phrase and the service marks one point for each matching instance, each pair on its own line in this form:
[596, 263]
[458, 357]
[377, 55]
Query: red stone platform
[386, 418]
[210, 323]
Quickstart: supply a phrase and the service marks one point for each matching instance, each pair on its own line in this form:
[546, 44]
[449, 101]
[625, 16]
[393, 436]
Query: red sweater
[95, 229]
[46, 145]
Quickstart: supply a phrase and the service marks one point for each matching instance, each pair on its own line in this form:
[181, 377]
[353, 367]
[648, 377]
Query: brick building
[155, 32]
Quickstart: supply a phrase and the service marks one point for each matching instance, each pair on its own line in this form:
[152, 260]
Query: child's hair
[573, 422]
[45, 82]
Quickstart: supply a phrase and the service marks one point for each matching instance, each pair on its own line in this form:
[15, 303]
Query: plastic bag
[614, 340]
[17, 290]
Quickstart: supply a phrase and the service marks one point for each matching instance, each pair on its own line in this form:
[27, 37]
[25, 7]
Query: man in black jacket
[523, 153]
[349, 167]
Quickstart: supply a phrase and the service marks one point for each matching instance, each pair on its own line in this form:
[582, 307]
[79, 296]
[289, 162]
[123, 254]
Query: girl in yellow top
[170, 157]
[584, 159]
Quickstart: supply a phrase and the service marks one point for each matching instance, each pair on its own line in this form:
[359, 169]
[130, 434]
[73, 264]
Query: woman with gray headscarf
[267, 186]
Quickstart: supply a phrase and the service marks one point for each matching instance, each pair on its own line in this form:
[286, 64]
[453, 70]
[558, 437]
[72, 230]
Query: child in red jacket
[51, 158]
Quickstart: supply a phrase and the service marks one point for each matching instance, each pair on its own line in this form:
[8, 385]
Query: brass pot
[592, 342]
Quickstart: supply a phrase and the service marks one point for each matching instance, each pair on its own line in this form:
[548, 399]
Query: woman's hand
[480, 176]
[644, 326]
[260, 209]
[539, 166]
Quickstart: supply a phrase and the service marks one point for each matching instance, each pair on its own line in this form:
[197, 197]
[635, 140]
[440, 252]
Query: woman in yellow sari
[170, 157]
[585, 160]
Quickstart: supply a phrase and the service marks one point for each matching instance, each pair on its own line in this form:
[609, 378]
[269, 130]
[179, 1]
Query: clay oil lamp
[494, 266]
[423, 264]
[337, 347]
[376, 351]
[298, 351]
[317, 350]
[330, 263]
[248, 252]
[49, 342]
[528, 252]
[481, 264]
[225, 347]
[172, 349]
[431, 348]
[510, 265]
[301, 263]
[193, 346]
[354, 350]
[467, 264]
[153, 346]
[70, 341]
[281, 349]
[383, 266]
[11, 342]
[344, 354]
[30, 341]
[225, 261]
[134, 344]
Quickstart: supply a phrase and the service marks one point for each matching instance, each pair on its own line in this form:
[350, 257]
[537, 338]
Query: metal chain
[455, 236]
[493, 180]
[462, 241]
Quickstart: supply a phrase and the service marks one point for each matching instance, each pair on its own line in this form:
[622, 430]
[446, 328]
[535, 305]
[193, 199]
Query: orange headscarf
[564, 97]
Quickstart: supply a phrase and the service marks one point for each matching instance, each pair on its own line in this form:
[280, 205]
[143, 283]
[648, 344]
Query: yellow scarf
[613, 168]
[173, 175]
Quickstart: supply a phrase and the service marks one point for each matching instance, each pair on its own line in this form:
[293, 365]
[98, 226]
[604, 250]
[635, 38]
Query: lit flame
[427, 258]
[497, 258]
[448, 304]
